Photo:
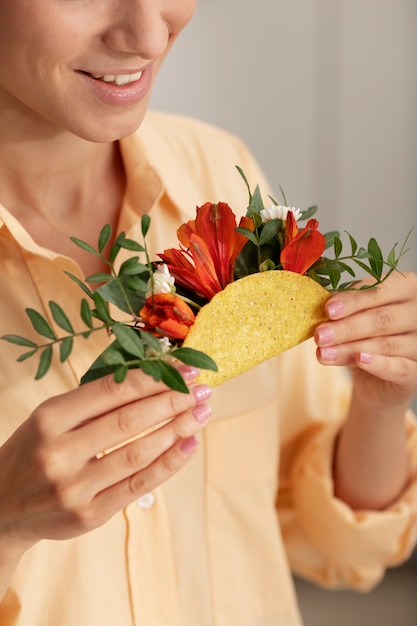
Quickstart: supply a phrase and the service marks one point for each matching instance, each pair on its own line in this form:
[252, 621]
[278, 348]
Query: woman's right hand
[55, 481]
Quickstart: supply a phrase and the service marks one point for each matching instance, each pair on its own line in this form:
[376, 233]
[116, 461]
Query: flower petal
[304, 249]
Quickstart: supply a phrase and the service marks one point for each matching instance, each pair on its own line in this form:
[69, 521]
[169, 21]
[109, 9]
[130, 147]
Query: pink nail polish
[365, 357]
[328, 354]
[325, 335]
[201, 413]
[189, 445]
[201, 392]
[188, 372]
[334, 309]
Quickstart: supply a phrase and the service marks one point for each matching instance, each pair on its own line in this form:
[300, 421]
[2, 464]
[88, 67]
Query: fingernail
[325, 335]
[188, 372]
[334, 309]
[328, 354]
[365, 357]
[201, 413]
[201, 392]
[189, 445]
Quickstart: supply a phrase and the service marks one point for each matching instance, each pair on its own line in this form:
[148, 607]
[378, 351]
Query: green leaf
[151, 368]
[84, 245]
[19, 341]
[195, 358]
[101, 309]
[65, 348]
[269, 231]
[129, 244]
[337, 247]
[376, 259]
[132, 267]
[44, 362]
[80, 283]
[125, 292]
[145, 224]
[249, 234]
[334, 275]
[40, 324]
[172, 378]
[120, 374]
[129, 340]
[346, 268]
[241, 172]
[353, 244]
[112, 356]
[392, 261]
[152, 342]
[330, 237]
[60, 317]
[99, 277]
[100, 367]
[257, 203]
[85, 313]
[309, 212]
[366, 268]
[266, 265]
[104, 237]
[26, 355]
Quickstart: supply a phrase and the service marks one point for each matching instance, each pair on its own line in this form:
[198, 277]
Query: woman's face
[86, 66]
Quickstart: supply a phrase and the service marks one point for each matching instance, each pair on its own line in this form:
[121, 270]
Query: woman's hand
[55, 481]
[374, 333]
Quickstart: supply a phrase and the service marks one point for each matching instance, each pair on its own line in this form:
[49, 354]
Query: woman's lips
[119, 89]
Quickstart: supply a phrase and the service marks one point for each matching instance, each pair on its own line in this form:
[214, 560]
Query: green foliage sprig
[132, 346]
[266, 241]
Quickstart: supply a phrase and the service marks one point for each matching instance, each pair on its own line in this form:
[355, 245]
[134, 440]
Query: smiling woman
[61, 42]
[295, 453]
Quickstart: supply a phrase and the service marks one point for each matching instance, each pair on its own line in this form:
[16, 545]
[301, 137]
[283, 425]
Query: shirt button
[146, 501]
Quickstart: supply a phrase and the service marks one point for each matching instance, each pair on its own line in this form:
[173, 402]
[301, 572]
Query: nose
[138, 27]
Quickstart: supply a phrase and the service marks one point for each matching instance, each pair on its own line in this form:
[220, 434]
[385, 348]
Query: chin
[104, 130]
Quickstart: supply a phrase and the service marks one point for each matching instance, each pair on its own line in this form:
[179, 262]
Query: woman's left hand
[374, 333]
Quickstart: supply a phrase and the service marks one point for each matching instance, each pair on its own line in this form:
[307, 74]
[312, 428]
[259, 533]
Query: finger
[130, 420]
[395, 370]
[398, 287]
[135, 456]
[401, 346]
[111, 500]
[382, 321]
[68, 411]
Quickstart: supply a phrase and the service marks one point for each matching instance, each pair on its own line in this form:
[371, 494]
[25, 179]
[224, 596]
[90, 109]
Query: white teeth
[119, 79]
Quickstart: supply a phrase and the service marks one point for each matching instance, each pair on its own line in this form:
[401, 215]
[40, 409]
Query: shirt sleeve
[326, 540]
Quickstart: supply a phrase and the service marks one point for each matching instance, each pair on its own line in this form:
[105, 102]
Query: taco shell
[256, 318]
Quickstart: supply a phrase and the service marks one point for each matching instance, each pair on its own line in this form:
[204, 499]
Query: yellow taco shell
[254, 319]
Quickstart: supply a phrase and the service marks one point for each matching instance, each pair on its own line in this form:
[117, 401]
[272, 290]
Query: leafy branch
[132, 346]
[370, 260]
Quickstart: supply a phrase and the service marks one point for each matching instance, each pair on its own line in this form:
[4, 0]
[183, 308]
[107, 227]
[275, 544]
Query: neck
[58, 184]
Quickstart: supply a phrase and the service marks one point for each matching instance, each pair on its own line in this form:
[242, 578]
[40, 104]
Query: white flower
[165, 344]
[162, 281]
[278, 211]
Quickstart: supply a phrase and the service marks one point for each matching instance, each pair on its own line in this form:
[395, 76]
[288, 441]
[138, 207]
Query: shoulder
[187, 134]
[200, 154]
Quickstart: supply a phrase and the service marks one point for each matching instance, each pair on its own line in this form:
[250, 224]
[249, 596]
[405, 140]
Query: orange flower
[167, 315]
[210, 244]
[301, 248]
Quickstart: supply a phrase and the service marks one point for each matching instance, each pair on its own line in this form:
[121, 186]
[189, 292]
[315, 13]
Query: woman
[98, 526]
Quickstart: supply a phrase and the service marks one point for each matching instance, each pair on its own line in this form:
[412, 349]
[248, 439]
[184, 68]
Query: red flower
[301, 248]
[167, 315]
[210, 244]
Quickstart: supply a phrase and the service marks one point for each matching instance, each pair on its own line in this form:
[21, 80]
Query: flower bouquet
[229, 297]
